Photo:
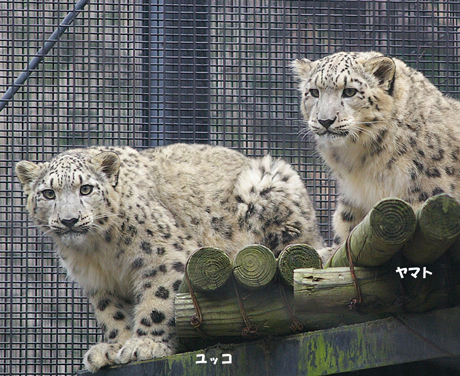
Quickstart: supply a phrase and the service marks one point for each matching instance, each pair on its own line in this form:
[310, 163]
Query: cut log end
[438, 228]
[209, 269]
[254, 266]
[440, 217]
[296, 256]
[392, 221]
[381, 234]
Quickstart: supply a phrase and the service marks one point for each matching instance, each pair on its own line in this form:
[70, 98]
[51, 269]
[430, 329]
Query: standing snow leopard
[124, 223]
[383, 129]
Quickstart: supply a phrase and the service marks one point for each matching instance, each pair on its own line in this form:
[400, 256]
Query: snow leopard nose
[327, 123]
[69, 222]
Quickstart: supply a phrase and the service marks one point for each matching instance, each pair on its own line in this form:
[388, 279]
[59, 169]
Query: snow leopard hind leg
[274, 204]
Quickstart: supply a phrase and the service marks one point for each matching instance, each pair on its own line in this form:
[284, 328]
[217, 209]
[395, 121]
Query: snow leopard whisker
[358, 130]
[369, 122]
[103, 216]
[306, 132]
[47, 232]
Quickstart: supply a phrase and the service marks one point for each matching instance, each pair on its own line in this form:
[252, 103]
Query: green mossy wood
[454, 251]
[266, 309]
[254, 267]
[331, 290]
[209, 269]
[438, 227]
[381, 234]
[222, 315]
[383, 290]
[320, 298]
[296, 256]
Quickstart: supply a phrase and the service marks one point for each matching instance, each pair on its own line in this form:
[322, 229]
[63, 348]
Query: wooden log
[222, 315]
[437, 285]
[320, 300]
[209, 269]
[454, 251]
[264, 308]
[438, 227]
[296, 256]
[381, 234]
[331, 290]
[383, 289]
[254, 266]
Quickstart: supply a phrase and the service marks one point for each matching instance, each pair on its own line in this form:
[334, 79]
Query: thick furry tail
[274, 203]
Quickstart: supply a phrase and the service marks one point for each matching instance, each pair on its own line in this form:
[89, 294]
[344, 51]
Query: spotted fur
[383, 129]
[124, 223]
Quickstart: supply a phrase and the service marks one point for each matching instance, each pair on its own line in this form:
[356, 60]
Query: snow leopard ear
[301, 67]
[27, 172]
[384, 68]
[109, 164]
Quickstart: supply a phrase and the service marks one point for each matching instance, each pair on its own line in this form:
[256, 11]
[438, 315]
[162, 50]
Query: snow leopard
[124, 223]
[383, 129]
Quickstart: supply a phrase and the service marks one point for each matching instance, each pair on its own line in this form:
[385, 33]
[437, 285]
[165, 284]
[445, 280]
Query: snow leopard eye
[349, 92]
[86, 189]
[314, 93]
[49, 194]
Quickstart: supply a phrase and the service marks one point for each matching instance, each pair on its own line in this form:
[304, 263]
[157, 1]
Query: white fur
[146, 212]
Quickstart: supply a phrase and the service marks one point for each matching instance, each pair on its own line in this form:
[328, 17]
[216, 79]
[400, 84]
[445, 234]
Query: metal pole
[66, 22]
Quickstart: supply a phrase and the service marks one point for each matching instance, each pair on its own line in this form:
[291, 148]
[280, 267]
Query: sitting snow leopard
[383, 129]
[124, 223]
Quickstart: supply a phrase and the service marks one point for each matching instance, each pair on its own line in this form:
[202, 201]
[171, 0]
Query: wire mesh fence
[155, 72]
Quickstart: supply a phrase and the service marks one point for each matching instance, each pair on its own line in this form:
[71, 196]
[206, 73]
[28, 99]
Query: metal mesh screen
[149, 73]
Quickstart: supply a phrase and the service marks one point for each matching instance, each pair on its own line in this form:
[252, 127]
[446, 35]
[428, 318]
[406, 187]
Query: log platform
[393, 343]
[389, 296]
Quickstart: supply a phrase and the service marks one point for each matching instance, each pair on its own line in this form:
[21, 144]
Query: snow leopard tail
[274, 204]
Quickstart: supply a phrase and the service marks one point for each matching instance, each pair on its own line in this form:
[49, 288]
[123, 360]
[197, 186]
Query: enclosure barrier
[154, 72]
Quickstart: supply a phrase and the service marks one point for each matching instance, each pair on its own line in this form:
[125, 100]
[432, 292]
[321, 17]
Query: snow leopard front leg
[154, 332]
[346, 217]
[113, 314]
